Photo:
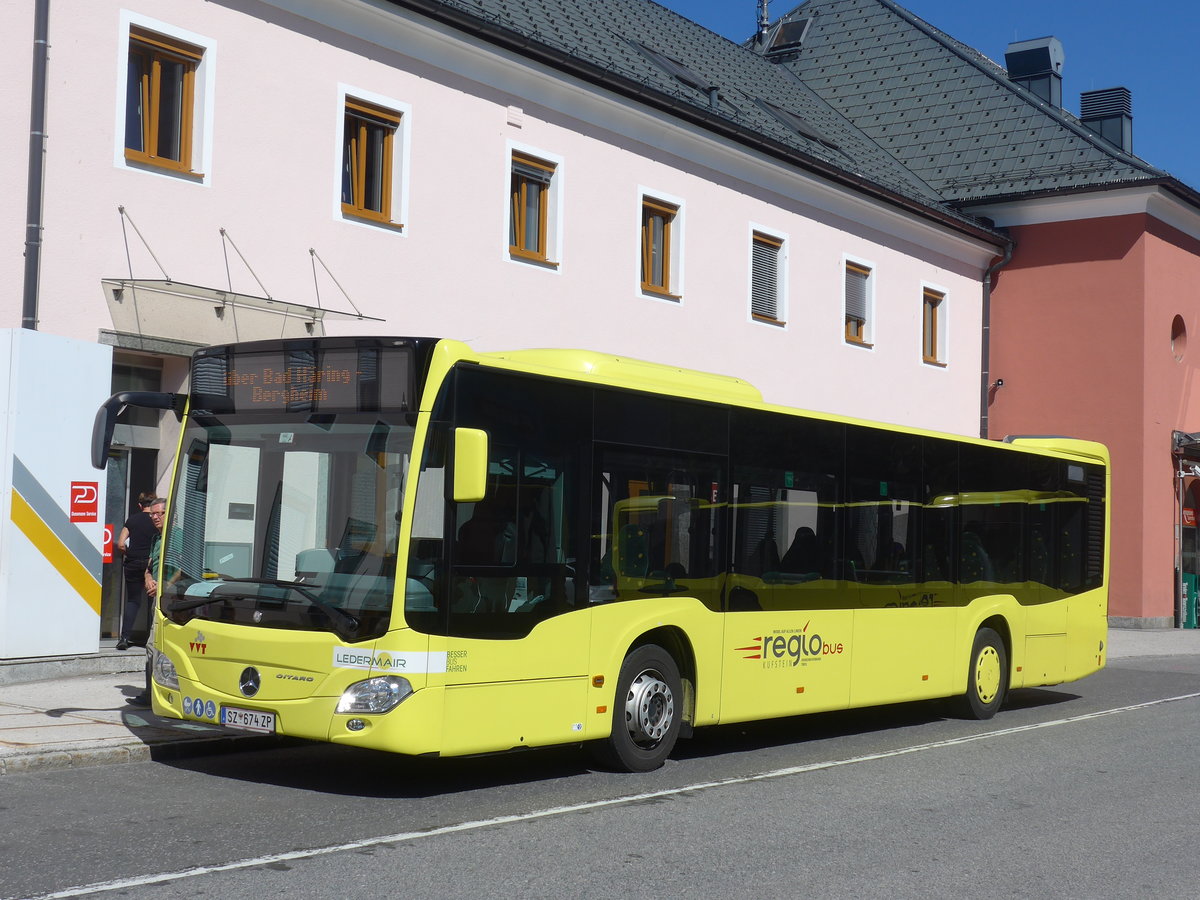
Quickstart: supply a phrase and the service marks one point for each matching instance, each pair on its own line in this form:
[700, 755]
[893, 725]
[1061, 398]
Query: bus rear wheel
[647, 712]
[987, 676]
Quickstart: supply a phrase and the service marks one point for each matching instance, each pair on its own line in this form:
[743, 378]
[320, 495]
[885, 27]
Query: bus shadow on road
[355, 772]
[814, 728]
[1033, 698]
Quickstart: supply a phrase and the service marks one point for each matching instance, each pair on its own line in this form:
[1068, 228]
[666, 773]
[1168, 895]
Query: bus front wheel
[987, 677]
[647, 712]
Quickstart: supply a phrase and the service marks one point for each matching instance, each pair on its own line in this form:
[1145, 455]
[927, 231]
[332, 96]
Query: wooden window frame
[931, 326]
[776, 244]
[358, 117]
[156, 49]
[856, 326]
[519, 187]
[668, 211]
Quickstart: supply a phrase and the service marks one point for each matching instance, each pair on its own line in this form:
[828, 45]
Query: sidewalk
[71, 712]
[75, 715]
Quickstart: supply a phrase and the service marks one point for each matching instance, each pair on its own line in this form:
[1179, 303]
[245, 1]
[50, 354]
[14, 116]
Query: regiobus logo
[785, 648]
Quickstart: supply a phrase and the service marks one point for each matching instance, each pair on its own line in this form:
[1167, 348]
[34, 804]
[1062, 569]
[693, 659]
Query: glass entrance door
[112, 592]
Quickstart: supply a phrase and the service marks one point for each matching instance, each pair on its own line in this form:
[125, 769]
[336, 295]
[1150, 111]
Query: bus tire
[647, 712]
[987, 676]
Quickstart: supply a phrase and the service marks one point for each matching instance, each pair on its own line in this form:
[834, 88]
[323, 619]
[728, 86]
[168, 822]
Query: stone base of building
[1142, 622]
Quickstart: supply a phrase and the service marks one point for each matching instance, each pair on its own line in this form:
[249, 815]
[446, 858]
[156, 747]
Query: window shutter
[372, 113]
[531, 169]
[764, 278]
[856, 291]
[930, 325]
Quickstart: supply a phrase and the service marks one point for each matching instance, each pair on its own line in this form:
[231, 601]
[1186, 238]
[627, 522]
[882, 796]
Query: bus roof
[636, 374]
[627, 371]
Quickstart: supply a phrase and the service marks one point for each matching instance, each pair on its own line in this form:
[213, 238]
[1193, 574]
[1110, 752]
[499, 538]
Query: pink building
[1107, 298]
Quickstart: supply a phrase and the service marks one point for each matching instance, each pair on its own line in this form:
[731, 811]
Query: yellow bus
[402, 544]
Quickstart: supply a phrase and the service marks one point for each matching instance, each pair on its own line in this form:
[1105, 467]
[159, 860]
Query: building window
[530, 207]
[1178, 338]
[932, 328]
[858, 304]
[658, 250]
[368, 152]
[766, 278]
[160, 100]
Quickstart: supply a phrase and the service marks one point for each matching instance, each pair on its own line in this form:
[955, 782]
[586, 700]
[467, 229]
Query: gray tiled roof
[875, 96]
[946, 111]
[604, 36]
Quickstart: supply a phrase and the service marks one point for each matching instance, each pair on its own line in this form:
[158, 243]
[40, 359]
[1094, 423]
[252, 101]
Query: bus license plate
[248, 719]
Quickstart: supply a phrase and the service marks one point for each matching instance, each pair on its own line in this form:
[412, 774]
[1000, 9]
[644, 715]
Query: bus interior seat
[803, 556]
[744, 600]
[1039, 557]
[315, 562]
[935, 568]
[634, 551]
[973, 564]
[488, 538]
[763, 558]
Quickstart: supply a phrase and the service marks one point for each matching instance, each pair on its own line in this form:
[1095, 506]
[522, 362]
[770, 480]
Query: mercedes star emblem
[249, 681]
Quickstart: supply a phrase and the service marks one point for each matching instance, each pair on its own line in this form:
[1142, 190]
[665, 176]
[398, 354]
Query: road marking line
[125, 883]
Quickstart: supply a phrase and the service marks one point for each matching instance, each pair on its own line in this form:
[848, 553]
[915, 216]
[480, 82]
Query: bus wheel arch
[649, 704]
[989, 671]
[999, 624]
[676, 643]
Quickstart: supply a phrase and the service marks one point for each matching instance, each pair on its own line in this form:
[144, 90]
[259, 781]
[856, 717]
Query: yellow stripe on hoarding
[55, 551]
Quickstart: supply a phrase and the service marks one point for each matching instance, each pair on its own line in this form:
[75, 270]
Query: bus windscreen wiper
[348, 622]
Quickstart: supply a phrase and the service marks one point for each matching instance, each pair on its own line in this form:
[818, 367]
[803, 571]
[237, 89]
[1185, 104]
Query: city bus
[407, 545]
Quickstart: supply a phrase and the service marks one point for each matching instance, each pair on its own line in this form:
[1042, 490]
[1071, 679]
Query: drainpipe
[1180, 497]
[37, 154]
[985, 341]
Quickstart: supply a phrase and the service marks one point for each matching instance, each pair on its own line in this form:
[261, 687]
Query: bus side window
[883, 514]
[656, 528]
[513, 555]
[423, 594]
[939, 515]
[786, 512]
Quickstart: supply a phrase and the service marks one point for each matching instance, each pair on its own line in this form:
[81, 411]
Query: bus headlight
[375, 695]
[164, 671]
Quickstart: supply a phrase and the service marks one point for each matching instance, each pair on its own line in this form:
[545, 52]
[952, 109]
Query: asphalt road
[1087, 790]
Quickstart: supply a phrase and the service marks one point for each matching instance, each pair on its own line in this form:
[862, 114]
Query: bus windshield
[287, 524]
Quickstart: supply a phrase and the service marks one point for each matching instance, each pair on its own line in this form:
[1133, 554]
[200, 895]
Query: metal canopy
[171, 309]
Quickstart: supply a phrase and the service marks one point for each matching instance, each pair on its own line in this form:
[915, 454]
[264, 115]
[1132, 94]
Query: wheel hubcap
[987, 674]
[649, 709]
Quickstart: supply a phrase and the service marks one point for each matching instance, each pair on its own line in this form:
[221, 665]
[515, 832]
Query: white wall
[273, 87]
[51, 499]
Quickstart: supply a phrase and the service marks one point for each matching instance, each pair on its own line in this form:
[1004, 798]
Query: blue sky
[1145, 47]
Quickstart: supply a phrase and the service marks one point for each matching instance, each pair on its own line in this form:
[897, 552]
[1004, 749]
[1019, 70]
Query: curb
[111, 662]
[135, 751]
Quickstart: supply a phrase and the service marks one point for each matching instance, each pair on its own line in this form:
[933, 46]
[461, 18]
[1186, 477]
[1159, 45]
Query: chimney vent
[1037, 66]
[1109, 113]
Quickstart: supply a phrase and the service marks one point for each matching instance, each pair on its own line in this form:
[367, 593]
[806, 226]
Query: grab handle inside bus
[470, 465]
[106, 417]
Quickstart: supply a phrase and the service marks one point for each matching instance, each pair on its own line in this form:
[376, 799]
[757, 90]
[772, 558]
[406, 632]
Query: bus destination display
[331, 380]
[253, 382]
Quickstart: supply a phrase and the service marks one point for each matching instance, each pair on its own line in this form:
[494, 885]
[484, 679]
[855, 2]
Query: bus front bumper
[414, 727]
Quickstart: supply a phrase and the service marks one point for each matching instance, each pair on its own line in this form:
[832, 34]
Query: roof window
[799, 124]
[789, 36]
[681, 72]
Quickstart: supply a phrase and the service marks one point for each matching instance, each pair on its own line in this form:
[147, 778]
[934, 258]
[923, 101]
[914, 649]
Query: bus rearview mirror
[106, 417]
[470, 464]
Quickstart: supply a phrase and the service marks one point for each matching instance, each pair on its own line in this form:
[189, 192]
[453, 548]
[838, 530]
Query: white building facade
[224, 171]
